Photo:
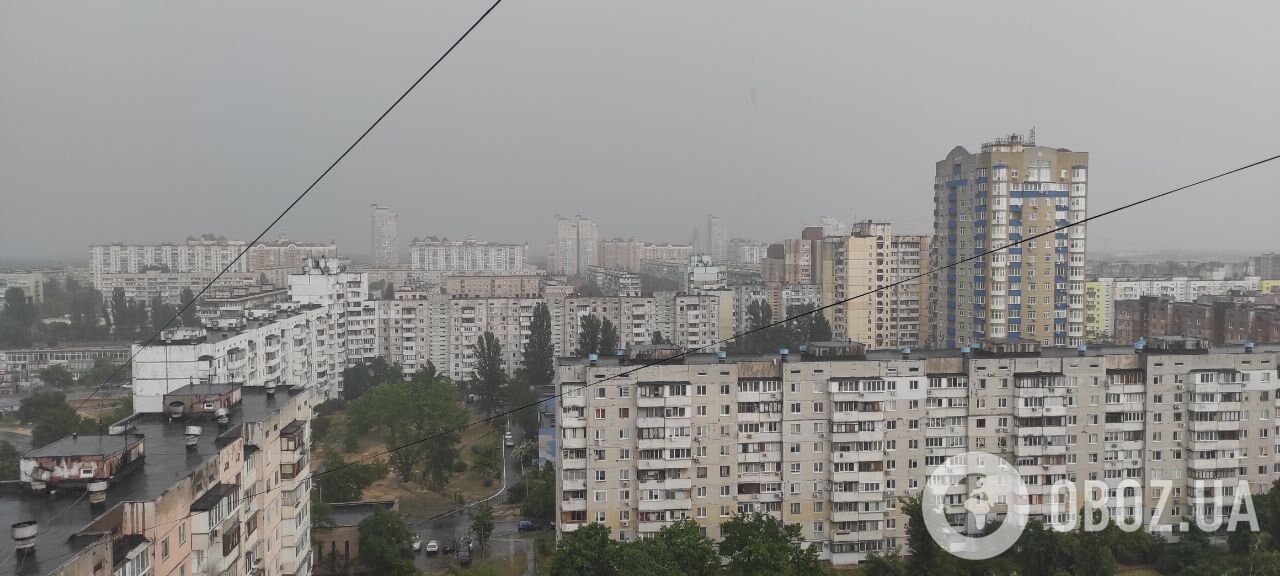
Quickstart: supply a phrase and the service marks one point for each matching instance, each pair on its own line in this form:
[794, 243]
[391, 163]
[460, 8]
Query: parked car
[416, 543]
[528, 526]
[464, 556]
[449, 547]
[433, 546]
[510, 440]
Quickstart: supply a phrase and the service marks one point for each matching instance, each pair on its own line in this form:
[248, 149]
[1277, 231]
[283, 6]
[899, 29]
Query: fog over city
[152, 121]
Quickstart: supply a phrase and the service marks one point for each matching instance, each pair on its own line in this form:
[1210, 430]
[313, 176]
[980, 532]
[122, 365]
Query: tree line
[70, 311]
[752, 544]
[765, 337]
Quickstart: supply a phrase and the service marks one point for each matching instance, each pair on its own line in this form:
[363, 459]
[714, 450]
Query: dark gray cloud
[148, 121]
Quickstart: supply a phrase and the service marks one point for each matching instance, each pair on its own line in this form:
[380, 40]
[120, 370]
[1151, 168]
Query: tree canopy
[490, 373]
[385, 544]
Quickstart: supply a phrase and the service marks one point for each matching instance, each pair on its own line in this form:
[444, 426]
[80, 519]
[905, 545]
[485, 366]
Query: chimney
[1248, 347]
[965, 352]
[906, 352]
[591, 359]
[1081, 350]
[621, 353]
[1139, 346]
[175, 409]
[783, 353]
[720, 356]
[222, 417]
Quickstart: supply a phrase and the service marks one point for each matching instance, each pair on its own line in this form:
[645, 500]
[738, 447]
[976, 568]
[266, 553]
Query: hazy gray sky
[146, 121]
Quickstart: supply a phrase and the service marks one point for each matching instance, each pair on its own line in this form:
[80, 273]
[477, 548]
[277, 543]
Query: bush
[487, 482]
[459, 466]
[515, 493]
[330, 406]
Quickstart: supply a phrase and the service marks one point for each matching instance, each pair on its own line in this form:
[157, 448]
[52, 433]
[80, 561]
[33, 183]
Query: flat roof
[66, 512]
[352, 513]
[84, 446]
[204, 389]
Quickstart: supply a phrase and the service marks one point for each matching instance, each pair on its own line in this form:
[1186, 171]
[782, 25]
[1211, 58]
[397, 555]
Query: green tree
[657, 337]
[58, 424]
[1041, 551]
[488, 462]
[520, 397]
[407, 412]
[121, 318]
[57, 376]
[887, 565]
[540, 349]
[19, 307]
[343, 481]
[385, 546]
[482, 524]
[583, 552]
[759, 544]
[540, 500]
[9, 457]
[14, 334]
[692, 553]
[490, 373]
[42, 402]
[105, 372]
[608, 337]
[358, 379]
[924, 556]
[161, 314]
[588, 335]
[187, 298]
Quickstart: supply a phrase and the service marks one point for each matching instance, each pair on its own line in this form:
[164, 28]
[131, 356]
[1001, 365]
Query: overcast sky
[147, 121]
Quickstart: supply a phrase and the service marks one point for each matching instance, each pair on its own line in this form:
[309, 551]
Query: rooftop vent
[24, 535]
[193, 437]
[175, 409]
[97, 490]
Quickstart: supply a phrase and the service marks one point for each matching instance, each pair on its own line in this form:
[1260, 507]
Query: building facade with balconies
[830, 437]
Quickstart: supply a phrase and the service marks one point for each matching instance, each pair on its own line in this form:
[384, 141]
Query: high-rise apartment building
[831, 438]
[467, 255]
[857, 266]
[573, 247]
[385, 228]
[1009, 191]
[717, 239]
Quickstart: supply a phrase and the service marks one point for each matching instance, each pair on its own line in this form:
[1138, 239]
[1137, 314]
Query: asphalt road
[505, 542]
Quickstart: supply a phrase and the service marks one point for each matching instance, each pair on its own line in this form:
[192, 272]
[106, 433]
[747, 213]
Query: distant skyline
[117, 125]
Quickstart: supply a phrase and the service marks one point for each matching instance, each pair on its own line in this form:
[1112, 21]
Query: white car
[416, 543]
[433, 546]
[510, 440]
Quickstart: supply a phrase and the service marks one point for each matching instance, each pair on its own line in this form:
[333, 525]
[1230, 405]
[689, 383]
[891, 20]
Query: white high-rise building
[386, 237]
[574, 247]
[717, 239]
[467, 255]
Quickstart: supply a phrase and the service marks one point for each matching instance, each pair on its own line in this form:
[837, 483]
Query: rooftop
[352, 513]
[63, 513]
[84, 446]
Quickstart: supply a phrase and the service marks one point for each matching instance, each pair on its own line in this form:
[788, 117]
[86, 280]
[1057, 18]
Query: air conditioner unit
[1178, 443]
[822, 434]
[626, 483]
[624, 523]
[1177, 387]
[817, 494]
[1182, 424]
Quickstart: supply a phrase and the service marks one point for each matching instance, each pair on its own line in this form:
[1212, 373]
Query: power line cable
[758, 329]
[295, 202]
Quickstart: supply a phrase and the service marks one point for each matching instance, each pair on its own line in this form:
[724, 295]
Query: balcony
[575, 505]
[572, 443]
[665, 504]
[569, 485]
[573, 463]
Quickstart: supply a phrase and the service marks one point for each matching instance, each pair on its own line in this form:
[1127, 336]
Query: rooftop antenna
[1031, 137]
